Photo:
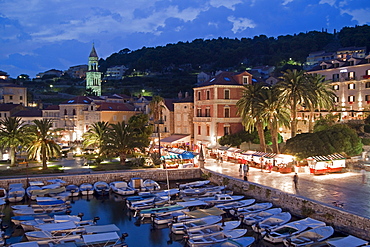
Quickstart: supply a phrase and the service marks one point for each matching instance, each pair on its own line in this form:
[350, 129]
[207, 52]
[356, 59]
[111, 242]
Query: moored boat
[86, 189]
[179, 228]
[16, 192]
[121, 188]
[235, 204]
[149, 185]
[254, 218]
[310, 236]
[101, 188]
[209, 229]
[72, 190]
[211, 239]
[257, 207]
[271, 222]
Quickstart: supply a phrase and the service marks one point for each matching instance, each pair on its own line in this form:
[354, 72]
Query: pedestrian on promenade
[246, 169]
[295, 181]
[363, 173]
[240, 170]
[221, 160]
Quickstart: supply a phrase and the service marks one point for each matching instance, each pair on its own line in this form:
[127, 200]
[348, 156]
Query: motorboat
[72, 190]
[55, 231]
[166, 218]
[101, 188]
[209, 229]
[146, 213]
[341, 242]
[136, 183]
[257, 207]
[121, 188]
[148, 203]
[194, 184]
[278, 234]
[254, 218]
[86, 189]
[179, 228]
[3, 193]
[235, 204]
[52, 206]
[203, 191]
[311, 236]
[42, 205]
[34, 186]
[150, 185]
[235, 242]
[221, 198]
[16, 192]
[211, 239]
[272, 222]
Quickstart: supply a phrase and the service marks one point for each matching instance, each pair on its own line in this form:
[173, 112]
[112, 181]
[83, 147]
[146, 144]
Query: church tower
[93, 76]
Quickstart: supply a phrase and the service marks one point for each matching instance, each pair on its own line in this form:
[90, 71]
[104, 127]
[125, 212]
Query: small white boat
[342, 242]
[171, 217]
[221, 198]
[101, 188]
[235, 204]
[72, 190]
[194, 184]
[53, 230]
[217, 237]
[278, 234]
[257, 207]
[149, 185]
[121, 188]
[310, 236]
[146, 213]
[209, 229]
[203, 191]
[178, 228]
[235, 242]
[16, 192]
[101, 239]
[31, 189]
[136, 183]
[273, 221]
[254, 218]
[86, 189]
[3, 193]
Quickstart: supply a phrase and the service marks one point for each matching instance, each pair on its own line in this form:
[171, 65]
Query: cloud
[285, 2]
[360, 15]
[230, 4]
[240, 24]
[330, 2]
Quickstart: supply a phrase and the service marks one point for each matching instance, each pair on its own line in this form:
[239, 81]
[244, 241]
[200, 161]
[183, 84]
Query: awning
[176, 139]
[187, 155]
[170, 157]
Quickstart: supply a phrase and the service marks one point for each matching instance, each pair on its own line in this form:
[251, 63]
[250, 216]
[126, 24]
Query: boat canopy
[101, 228]
[200, 213]
[100, 237]
[57, 226]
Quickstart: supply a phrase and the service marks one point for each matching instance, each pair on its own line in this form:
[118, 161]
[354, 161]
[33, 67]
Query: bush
[365, 141]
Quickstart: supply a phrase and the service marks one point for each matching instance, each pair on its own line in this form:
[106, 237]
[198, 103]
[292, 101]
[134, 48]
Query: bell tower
[93, 76]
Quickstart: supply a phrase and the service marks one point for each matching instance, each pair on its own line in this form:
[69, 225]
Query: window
[0, 114]
[351, 75]
[226, 130]
[335, 77]
[367, 98]
[351, 98]
[323, 67]
[114, 117]
[87, 118]
[65, 111]
[165, 118]
[199, 95]
[245, 80]
[20, 97]
[336, 87]
[124, 117]
[227, 112]
[335, 65]
[92, 108]
[351, 86]
[351, 63]
[367, 72]
[227, 94]
[199, 130]
[199, 112]
[10, 97]
[207, 94]
[74, 112]
[5, 114]
[208, 131]
[367, 85]
[208, 112]
[336, 99]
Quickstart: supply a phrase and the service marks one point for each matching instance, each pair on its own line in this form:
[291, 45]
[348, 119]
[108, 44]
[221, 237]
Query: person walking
[246, 169]
[240, 170]
[363, 174]
[295, 181]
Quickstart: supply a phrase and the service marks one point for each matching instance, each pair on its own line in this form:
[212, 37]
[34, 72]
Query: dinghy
[221, 198]
[257, 207]
[86, 189]
[194, 184]
[254, 218]
[121, 188]
[271, 222]
[211, 239]
[16, 192]
[101, 188]
[344, 241]
[146, 213]
[72, 190]
[236, 204]
[310, 236]
[149, 185]
[235, 242]
[179, 228]
[209, 229]
[3, 193]
[278, 234]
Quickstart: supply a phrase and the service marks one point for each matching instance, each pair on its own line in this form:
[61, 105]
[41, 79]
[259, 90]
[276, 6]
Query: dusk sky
[38, 35]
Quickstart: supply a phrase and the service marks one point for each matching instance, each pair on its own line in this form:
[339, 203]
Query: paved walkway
[344, 188]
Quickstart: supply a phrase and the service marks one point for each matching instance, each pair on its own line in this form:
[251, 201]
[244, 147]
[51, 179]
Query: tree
[42, 143]
[322, 98]
[273, 111]
[294, 92]
[156, 111]
[13, 134]
[96, 136]
[250, 113]
[124, 138]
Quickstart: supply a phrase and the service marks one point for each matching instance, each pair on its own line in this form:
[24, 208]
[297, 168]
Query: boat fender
[175, 219]
[124, 236]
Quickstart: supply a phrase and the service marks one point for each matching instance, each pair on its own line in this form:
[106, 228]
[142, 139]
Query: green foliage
[365, 141]
[367, 128]
[338, 138]
[235, 140]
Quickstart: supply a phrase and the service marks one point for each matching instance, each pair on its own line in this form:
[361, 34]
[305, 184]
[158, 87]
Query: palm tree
[121, 140]
[42, 144]
[250, 114]
[96, 136]
[156, 110]
[12, 135]
[324, 95]
[271, 108]
[294, 92]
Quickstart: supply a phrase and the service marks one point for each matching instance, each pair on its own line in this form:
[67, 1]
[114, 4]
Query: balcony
[351, 78]
[202, 119]
[366, 76]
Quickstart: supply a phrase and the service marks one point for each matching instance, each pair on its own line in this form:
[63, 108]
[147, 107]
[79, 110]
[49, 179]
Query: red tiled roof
[78, 100]
[8, 107]
[52, 107]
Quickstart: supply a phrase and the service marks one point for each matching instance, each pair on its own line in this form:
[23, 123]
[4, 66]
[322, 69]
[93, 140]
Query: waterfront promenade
[346, 188]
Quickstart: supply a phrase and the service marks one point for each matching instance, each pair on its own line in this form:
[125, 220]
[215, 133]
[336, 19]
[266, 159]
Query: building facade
[215, 111]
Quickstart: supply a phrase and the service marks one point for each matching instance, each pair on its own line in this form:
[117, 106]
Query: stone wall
[155, 174]
[341, 220]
